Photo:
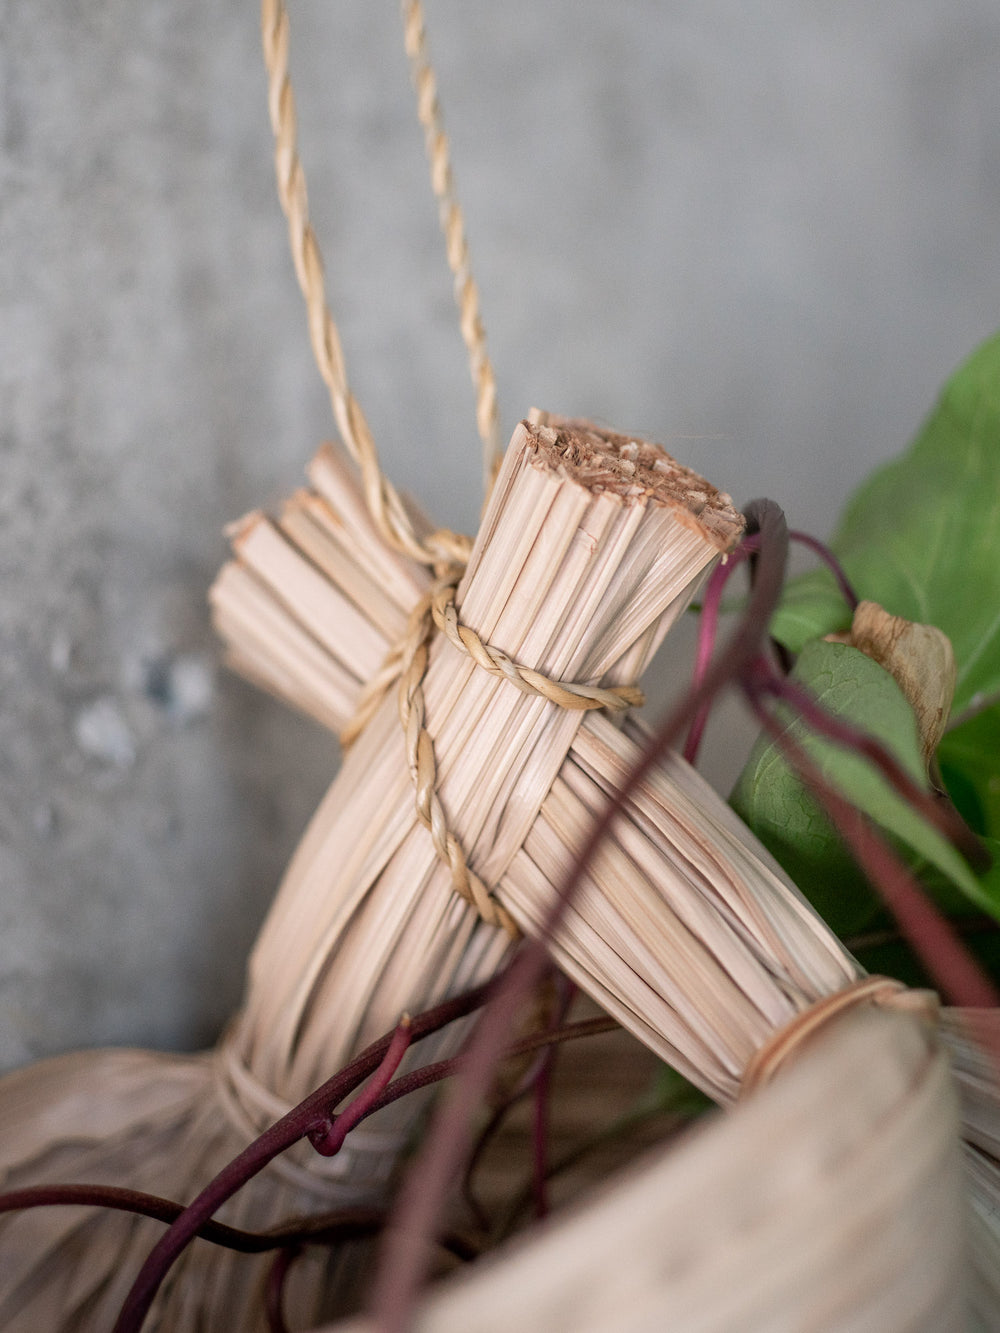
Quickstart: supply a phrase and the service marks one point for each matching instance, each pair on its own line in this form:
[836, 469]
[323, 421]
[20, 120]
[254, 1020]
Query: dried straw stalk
[591, 546]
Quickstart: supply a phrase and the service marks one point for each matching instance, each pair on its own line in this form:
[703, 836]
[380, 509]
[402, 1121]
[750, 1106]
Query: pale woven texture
[442, 550]
[367, 922]
[673, 799]
[656, 914]
[683, 928]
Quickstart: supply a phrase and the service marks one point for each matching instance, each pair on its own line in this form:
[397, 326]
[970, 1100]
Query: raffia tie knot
[787, 1041]
[567, 694]
[407, 664]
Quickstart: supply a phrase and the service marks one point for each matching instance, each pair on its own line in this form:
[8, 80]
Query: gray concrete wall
[760, 233]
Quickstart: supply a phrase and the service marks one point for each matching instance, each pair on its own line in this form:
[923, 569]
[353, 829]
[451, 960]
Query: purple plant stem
[708, 628]
[542, 1098]
[320, 1229]
[403, 1256]
[328, 1137]
[274, 1289]
[314, 1110]
[832, 563]
[708, 624]
[939, 813]
[934, 941]
[528, 1083]
[520, 1091]
[540, 1133]
[317, 1229]
[538, 1041]
[486, 1136]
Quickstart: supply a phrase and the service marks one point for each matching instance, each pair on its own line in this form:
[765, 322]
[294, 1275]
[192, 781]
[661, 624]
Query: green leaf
[811, 606]
[922, 536]
[969, 758]
[787, 819]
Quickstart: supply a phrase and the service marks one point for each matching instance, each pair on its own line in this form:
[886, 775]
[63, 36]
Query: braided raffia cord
[445, 551]
[453, 227]
[565, 693]
[441, 602]
[408, 663]
[382, 500]
[423, 770]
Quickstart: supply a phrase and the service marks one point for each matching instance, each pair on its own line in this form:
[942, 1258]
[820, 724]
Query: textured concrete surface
[762, 234]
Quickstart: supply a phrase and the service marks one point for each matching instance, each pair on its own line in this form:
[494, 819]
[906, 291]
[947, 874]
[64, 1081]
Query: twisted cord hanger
[456, 244]
[381, 497]
[444, 551]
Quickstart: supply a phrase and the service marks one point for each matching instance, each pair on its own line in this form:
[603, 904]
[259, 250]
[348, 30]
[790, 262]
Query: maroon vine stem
[313, 1112]
[541, 1095]
[274, 1289]
[708, 629]
[328, 1137]
[823, 551]
[708, 624]
[538, 1041]
[762, 678]
[318, 1229]
[540, 1132]
[523, 1088]
[403, 1255]
[934, 941]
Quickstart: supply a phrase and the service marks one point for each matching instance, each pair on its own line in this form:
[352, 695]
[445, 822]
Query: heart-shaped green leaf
[788, 820]
[922, 536]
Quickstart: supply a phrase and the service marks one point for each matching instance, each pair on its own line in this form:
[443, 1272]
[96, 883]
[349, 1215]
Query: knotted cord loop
[787, 1041]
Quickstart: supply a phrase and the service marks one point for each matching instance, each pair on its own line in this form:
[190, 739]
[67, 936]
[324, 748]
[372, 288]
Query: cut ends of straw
[623, 465]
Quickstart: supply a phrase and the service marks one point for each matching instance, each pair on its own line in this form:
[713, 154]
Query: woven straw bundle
[481, 690]
[575, 571]
[643, 944]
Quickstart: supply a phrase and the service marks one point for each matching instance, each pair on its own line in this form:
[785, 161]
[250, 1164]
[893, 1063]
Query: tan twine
[785, 1044]
[444, 551]
[456, 244]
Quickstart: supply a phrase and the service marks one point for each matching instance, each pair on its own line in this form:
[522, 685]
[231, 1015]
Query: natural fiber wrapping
[689, 870]
[685, 928]
[830, 1200]
[576, 574]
